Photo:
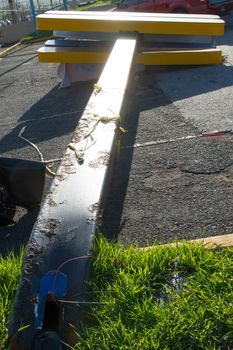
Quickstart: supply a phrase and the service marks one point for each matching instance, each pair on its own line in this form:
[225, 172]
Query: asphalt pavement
[32, 102]
[161, 192]
[181, 189]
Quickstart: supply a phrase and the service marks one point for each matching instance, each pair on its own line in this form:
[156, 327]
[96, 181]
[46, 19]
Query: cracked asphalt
[30, 98]
[181, 189]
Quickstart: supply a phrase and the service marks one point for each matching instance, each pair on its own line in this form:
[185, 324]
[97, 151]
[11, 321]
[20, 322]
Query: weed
[10, 269]
[161, 298]
[133, 313]
[40, 34]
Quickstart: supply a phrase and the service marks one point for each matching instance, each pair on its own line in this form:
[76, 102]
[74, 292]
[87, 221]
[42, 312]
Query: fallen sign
[162, 39]
[49, 304]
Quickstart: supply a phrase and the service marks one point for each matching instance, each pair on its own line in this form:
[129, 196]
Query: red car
[216, 7]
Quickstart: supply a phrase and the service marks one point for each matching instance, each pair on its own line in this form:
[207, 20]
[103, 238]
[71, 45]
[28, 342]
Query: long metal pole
[65, 5]
[33, 11]
[58, 255]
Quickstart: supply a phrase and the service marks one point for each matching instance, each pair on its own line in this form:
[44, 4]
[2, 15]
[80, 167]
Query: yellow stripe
[173, 58]
[187, 57]
[151, 25]
[51, 56]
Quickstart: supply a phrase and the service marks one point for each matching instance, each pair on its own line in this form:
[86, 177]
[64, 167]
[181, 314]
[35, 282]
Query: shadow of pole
[112, 216]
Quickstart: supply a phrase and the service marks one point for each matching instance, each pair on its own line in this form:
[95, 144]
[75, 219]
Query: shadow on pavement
[13, 237]
[56, 114]
[53, 116]
[165, 192]
[135, 102]
[17, 65]
[198, 80]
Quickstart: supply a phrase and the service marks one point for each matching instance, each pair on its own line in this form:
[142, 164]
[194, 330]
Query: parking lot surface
[181, 188]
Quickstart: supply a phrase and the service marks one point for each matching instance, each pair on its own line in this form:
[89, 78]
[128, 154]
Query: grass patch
[163, 298]
[97, 3]
[40, 34]
[10, 270]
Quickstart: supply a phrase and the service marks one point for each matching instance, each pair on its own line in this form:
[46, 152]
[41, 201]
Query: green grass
[139, 305]
[97, 3]
[40, 34]
[141, 308]
[10, 269]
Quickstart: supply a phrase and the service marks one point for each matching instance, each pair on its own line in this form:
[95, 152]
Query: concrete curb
[9, 49]
[38, 40]
[213, 242]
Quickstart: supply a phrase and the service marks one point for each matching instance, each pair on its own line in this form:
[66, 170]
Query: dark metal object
[47, 340]
[178, 42]
[21, 184]
[79, 43]
[7, 210]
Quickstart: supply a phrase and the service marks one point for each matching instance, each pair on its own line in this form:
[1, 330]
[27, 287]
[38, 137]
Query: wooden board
[110, 22]
[160, 57]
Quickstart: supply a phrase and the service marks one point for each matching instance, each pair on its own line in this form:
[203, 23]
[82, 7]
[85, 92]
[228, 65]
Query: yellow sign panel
[141, 23]
[163, 57]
